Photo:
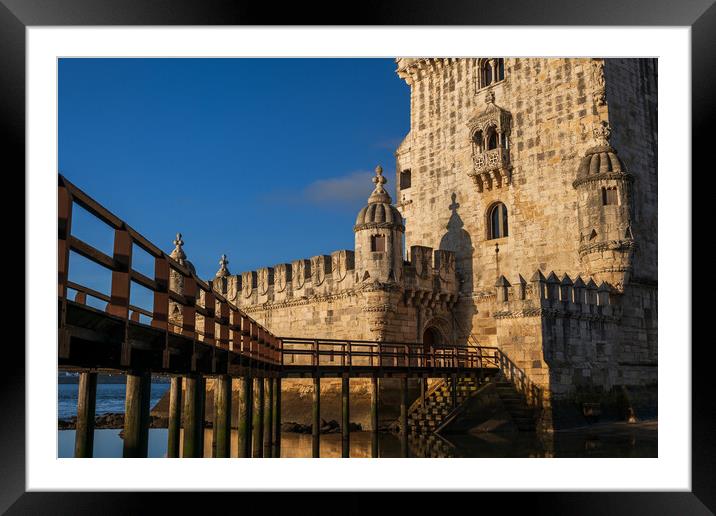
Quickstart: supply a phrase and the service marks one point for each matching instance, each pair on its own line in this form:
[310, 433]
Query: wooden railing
[354, 353]
[224, 325]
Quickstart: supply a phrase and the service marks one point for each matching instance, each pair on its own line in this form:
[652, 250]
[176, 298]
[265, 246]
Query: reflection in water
[613, 441]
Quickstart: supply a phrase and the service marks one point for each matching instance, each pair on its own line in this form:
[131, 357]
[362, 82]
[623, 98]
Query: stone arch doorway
[432, 337]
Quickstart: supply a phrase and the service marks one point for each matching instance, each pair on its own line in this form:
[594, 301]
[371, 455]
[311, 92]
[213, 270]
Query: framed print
[427, 246]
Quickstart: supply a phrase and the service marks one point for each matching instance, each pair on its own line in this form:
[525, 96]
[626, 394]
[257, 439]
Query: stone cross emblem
[280, 277]
[339, 266]
[223, 270]
[319, 273]
[300, 276]
[178, 252]
[246, 284]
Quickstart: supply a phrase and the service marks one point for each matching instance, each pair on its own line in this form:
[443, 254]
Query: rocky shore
[116, 421]
[327, 427]
[110, 420]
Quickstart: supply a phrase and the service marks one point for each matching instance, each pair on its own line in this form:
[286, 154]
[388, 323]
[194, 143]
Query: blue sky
[266, 160]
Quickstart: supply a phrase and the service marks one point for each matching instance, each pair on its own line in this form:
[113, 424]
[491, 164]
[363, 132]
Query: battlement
[554, 292]
[320, 274]
[428, 269]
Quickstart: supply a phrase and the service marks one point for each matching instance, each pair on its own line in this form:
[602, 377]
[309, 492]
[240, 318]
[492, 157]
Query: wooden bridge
[227, 345]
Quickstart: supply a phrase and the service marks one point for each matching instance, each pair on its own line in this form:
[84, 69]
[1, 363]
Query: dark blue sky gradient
[266, 160]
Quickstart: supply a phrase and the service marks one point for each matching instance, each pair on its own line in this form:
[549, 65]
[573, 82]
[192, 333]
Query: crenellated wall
[322, 297]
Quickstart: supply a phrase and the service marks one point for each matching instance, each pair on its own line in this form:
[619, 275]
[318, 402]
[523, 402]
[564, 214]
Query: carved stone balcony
[491, 169]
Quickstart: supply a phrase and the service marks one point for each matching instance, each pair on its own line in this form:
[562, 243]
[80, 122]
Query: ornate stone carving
[282, 275]
[301, 271]
[491, 166]
[232, 288]
[264, 279]
[600, 90]
[341, 263]
[420, 259]
[320, 266]
[445, 264]
[248, 283]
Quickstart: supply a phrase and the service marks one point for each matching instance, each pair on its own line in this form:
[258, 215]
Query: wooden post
[258, 419]
[277, 418]
[404, 416]
[174, 417]
[136, 414]
[245, 410]
[86, 402]
[374, 398]
[316, 418]
[345, 413]
[222, 417]
[453, 390]
[194, 417]
[268, 417]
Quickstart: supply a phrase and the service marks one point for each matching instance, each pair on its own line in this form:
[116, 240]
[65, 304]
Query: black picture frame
[17, 15]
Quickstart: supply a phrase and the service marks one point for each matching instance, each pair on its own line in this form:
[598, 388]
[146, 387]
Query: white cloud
[348, 191]
[354, 187]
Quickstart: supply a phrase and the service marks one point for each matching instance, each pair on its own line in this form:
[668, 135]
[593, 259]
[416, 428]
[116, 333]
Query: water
[614, 440]
[110, 398]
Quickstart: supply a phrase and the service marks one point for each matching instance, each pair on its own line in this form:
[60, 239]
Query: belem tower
[522, 215]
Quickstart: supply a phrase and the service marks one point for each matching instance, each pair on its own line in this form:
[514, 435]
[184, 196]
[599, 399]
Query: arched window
[477, 140]
[491, 138]
[491, 70]
[497, 219]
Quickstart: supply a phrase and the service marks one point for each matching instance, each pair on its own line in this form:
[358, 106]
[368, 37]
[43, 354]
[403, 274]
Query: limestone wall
[631, 97]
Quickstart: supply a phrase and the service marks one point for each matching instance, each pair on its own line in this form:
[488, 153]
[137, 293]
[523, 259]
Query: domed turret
[379, 236]
[606, 242]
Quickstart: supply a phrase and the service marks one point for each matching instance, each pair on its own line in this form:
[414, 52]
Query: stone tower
[606, 241]
[379, 233]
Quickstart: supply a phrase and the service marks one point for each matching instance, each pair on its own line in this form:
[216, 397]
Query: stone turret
[606, 242]
[379, 233]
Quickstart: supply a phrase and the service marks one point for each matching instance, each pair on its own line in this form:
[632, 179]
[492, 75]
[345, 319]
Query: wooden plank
[91, 253]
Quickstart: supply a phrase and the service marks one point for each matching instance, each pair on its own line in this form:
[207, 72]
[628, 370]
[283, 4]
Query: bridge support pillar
[222, 417]
[316, 419]
[345, 416]
[268, 417]
[136, 414]
[174, 417]
[86, 403]
[194, 416]
[258, 418]
[276, 452]
[245, 416]
[374, 416]
[404, 417]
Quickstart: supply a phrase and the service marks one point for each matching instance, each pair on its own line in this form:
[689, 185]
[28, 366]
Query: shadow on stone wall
[458, 240]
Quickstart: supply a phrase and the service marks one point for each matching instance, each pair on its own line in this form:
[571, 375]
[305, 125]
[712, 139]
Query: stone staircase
[522, 415]
[427, 418]
[424, 417]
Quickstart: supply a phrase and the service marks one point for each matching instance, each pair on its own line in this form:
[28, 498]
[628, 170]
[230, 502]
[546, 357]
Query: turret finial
[379, 194]
[178, 252]
[602, 132]
[223, 270]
